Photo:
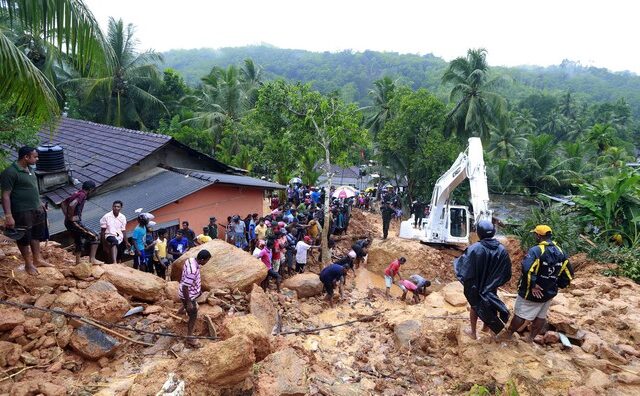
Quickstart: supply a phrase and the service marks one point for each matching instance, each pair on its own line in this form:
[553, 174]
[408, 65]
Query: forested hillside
[353, 73]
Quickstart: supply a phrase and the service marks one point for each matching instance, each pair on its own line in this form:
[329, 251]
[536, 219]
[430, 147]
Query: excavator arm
[439, 226]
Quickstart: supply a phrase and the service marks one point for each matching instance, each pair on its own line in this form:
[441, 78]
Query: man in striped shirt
[189, 291]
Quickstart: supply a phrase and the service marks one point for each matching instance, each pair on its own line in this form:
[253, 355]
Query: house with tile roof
[144, 170]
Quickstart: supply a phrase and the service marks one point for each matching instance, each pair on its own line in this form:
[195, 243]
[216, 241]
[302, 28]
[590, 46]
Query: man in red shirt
[392, 270]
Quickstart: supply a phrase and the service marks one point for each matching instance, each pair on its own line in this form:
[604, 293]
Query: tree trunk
[326, 258]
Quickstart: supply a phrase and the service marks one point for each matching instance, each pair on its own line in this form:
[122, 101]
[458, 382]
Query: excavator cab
[458, 224]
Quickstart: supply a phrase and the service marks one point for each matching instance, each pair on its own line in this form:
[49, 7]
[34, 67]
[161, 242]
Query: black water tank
[51, 158]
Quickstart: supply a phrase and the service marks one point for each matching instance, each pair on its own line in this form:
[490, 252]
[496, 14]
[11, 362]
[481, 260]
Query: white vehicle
[450, 224]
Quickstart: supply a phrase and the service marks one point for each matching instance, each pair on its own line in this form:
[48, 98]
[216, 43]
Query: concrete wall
[217, 200]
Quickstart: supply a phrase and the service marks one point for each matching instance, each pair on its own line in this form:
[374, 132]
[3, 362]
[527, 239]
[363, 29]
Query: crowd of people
[284, 240]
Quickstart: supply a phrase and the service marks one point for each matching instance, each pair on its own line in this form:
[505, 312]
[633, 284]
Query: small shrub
[627, 260]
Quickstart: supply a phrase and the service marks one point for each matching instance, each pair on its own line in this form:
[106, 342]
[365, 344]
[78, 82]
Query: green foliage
[612, 204]
[67, 26]
[197, 139]
[475, 107]
[309, 172]
[122, 96]
[15, 132]
[509, 389]
[409, 141]
[627, 260]
[565, 224]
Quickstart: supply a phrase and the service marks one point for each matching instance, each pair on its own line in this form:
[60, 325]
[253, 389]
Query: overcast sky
[515, 32]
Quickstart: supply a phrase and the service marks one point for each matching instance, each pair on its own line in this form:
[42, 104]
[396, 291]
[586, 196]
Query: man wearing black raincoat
[482, 269]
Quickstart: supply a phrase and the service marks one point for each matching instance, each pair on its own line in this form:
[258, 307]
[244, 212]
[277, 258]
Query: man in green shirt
[213, 228]
[22, 207]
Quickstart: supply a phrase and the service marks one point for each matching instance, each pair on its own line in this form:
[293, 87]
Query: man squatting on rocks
[72, 209]
[545, 268]
[482, 269]
[190, 290]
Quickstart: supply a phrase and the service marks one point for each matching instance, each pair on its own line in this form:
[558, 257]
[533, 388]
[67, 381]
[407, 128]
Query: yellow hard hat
[542, 230]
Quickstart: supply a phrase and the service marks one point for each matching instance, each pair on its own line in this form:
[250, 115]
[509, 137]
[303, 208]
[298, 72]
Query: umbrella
[295, 180]
[344, 192]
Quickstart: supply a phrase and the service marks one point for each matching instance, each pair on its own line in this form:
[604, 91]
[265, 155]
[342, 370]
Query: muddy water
[366, 280]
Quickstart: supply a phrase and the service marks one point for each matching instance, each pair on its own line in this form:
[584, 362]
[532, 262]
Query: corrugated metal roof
[223, 178]
[150, 194]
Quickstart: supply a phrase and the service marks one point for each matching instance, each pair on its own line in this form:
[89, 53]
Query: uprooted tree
[300, 116]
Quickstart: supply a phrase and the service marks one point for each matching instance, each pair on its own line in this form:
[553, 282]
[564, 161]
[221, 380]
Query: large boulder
[171, 291]
[454, 294]
[92, 343]
[406, 332]
[102, 301]
[251, 327]
[10, 317]
[221, 363]
[305, 285]
[261, 306]
[229, 267]
[282, 373]
[141, 285]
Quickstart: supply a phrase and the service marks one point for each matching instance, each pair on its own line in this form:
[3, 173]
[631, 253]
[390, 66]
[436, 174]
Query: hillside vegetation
[353, 73]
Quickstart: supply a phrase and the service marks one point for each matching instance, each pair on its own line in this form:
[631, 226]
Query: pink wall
[217, 200]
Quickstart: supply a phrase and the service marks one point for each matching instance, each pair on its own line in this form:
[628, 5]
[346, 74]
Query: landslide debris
[389, 347]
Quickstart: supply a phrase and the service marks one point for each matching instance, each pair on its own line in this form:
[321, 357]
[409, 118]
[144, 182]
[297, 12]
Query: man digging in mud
[545, 268]
[189, 291]
[482, 269]
[330, 277]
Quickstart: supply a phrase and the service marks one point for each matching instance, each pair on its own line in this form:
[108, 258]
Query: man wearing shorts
[72, 209]
[330, 277]
[545, 268]
[392, 270]
[113, 231]
[23, 209]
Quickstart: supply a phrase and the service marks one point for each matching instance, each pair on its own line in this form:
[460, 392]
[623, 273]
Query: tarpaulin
[482, 268]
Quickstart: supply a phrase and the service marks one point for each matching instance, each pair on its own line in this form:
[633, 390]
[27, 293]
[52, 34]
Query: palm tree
[602, 135]
[506, 141]
[221, 99]
[567, 106]
[66, 25]
[539, 167]
[476, 107]
[120, 98]
[252, 79]
[381, 94]
[524, 121]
